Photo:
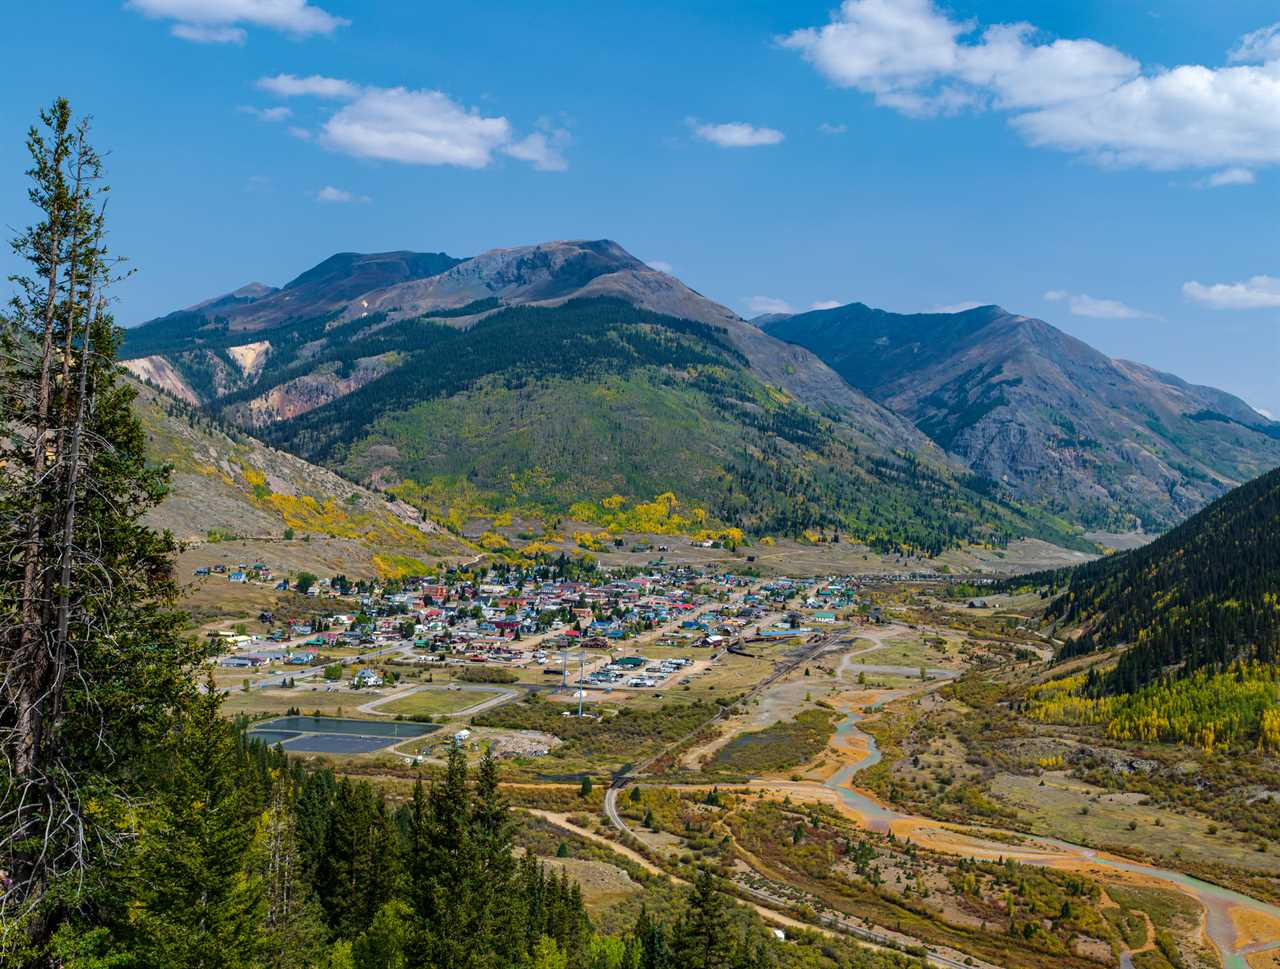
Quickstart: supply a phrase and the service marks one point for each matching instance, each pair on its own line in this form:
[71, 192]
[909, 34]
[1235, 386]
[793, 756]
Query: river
[1218, 902]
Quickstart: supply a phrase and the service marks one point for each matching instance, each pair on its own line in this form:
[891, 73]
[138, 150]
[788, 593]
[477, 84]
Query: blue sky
[1110, 166]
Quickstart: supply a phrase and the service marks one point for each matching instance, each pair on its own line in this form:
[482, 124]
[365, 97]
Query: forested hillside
[543, 379]
[544, 407]
[1204, 595]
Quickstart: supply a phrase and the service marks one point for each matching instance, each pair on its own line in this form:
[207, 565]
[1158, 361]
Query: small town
[635, 486]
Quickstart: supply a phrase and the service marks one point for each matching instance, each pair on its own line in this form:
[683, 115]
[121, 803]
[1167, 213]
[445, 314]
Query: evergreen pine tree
[313, 807]
[94, 666]
[703, 937]
[293, 928]
[654, 943]
[443, 871]
[197, 905]
[384, 945]
[495, 908]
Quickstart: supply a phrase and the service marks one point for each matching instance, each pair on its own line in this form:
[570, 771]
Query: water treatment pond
[334, 735]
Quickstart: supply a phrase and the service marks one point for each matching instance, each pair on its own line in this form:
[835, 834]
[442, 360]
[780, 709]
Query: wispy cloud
[339, 196]
[270, 115]
[224, 21]
[1073, 95]
[827, 128]
[1257, 47]
[1082, 304]
[1255, 293]
[313, 85]
[208, 34]
[416, 127]
[825, 304]
[661, 265]
[759, 305]
[960, 307]
[735, 134]
[544, 151]
[1230, 176]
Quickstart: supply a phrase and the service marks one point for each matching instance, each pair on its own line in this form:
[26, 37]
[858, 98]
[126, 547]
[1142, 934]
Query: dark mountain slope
[1203, 595]
[550, 273]
[613, 399]
[543, 375]
[1107, 442]
[200, 357]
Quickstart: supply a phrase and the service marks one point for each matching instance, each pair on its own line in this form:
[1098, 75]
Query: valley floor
[867, 781]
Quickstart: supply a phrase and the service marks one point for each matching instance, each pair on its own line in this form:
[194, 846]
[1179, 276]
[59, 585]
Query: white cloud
[736, 134]
[827, 128]
[302, 134]
[660, 265]
[314, 85]
[759, 305]
[1230, 176]
[1257, 47]
[1078, 96]
[218, 21]
[339, 196]
[541, 150]
[416, 127]
[961, 307]
[207, 34]
[825, 304]
[1257, 292]
[1263, 411]
[1082, 304]
[270, 115]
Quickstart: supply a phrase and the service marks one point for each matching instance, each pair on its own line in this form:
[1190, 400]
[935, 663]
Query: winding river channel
[1220, 904]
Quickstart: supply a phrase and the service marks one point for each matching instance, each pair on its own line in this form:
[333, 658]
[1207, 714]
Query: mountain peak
[350, 271]
[1024, 403]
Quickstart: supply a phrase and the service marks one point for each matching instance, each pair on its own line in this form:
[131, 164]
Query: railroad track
[830, 922]
[630, 774]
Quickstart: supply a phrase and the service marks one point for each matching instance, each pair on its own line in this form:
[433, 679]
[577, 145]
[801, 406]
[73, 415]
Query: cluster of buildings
[459, 617]
[636, 671]
[242, 572]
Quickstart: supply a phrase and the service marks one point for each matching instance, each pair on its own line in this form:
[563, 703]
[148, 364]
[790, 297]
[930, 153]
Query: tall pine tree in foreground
[92, 669]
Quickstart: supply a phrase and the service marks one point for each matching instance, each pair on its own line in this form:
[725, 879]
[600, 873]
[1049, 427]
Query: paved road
[277, 679]
[501, 696]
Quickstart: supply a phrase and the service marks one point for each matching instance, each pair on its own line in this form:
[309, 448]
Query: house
[237, 577]
[366, 677]
[244, 660]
